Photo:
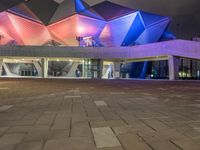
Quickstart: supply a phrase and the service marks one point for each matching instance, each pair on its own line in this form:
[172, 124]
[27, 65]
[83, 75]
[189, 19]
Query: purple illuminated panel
[116, 30]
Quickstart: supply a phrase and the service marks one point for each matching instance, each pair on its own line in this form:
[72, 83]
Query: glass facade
[92, 68]
[189, 69]
[159, 70]
[19, 69]
[145, 70]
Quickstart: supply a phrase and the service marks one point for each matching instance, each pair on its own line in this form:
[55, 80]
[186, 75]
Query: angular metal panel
[5, 39]
[8, 27]
[116, 30]
[43, 9]
[153, 33]
[65, 31]
[30, 32]
[81, 5]
[134, 32]
[89, 27]
[75, 26]
[149, 18]
[68, 8]
[110, 11]
[23, 11]
[91, 13]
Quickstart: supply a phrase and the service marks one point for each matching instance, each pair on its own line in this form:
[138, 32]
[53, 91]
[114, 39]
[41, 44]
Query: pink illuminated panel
[89, 27]
[7, 26]
[30, 32]
[76, 26]
[5, 38]
[65, 31]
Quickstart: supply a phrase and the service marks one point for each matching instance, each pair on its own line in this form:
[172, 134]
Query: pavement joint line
[145, 141]
[171, 141]
[100, 103]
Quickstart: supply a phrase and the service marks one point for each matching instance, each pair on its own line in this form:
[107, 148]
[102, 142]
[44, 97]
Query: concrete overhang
[160, 50]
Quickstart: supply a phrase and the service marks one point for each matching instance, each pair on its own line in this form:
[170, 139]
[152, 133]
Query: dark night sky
[169, 7]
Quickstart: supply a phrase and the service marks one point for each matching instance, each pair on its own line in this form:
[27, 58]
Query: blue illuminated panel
[134, 32]
[79, 5]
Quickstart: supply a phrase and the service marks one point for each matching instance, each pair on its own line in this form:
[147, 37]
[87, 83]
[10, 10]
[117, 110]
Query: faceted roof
[67, 8]
[35, 10]
[53, 11]
[46, 22]
[23, 11]
[43, 9]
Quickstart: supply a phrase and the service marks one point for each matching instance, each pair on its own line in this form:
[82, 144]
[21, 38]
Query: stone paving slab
[61, 114]
[3, 130]
[5, 107]
[110, 123]
[164, 145]
[43, 135]
[81, 129]
[100, 103]
[72, 96]
[70, 144]
[133, 141]
[187, 144]
[10, 139]
[104, 137]
[30, 146]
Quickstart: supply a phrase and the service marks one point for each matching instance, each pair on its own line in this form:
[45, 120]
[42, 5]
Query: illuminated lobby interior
[75, 40]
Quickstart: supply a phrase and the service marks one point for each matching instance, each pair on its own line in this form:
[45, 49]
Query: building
[73, 39]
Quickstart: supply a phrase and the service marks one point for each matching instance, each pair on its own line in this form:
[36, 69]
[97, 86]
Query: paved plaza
[39, 114]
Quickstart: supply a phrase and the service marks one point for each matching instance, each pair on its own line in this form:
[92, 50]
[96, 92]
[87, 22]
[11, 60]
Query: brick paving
[37, 114]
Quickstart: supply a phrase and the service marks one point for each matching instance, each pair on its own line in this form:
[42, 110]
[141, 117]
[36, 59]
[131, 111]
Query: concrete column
[173, 63]
[44, 67]
[117, 69]
[100, 72]
[1, 66]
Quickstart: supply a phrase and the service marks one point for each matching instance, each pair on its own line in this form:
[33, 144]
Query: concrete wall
[150, 51]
